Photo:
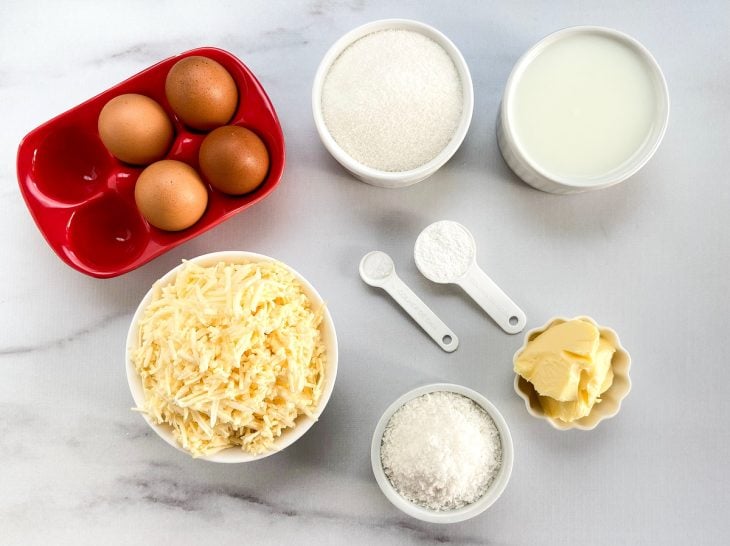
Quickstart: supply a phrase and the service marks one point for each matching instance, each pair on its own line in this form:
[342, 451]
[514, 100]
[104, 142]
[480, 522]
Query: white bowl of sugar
[442, 453]
[392, 101]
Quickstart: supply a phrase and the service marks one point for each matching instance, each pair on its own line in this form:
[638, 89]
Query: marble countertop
[649, 258]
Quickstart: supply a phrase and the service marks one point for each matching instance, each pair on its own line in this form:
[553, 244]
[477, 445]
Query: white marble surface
[649, 258]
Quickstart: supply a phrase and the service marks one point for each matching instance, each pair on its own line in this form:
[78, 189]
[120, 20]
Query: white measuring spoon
[377, 269]
[445, 252]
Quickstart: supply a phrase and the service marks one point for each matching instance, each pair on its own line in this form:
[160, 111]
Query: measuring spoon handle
[493, 300]
[420, 312]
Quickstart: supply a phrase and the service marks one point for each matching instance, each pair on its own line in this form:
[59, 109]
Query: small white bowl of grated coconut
[442, 453]
[231, 356]
[392, 101]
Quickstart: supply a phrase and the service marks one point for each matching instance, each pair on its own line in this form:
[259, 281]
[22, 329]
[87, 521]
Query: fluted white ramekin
[610, 403]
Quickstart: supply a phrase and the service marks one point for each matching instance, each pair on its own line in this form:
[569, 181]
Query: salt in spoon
[377, 269]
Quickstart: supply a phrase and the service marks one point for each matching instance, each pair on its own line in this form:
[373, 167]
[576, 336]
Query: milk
[584, 107]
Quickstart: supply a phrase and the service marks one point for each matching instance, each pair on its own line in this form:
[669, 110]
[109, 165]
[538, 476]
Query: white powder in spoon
[392, 100]
[441, 451]
[444, 251]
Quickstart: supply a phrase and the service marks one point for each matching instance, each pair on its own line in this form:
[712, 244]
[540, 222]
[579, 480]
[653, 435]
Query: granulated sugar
[392, 100]
[441, 451]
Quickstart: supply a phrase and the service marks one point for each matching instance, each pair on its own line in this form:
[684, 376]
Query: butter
[569, 366]
[554, 360]
[592, 384]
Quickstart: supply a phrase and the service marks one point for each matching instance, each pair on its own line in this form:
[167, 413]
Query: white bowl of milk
[585, 108]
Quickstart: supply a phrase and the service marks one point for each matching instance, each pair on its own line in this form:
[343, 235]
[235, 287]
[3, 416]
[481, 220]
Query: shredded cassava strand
[229, 355]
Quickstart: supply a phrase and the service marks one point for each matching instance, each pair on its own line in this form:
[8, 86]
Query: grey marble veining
[57, 343]
[649, 258]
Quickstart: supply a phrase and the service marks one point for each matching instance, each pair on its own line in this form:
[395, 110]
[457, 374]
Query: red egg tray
[82, 198]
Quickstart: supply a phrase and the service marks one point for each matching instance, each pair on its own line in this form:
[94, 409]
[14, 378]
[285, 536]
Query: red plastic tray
[82, 198]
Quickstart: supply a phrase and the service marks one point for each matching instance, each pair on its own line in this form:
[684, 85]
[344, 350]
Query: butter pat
[592, 384]
[554, 360]
[569, 365]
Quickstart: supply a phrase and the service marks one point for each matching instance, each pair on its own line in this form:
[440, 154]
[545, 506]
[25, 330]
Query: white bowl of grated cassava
[231, 356]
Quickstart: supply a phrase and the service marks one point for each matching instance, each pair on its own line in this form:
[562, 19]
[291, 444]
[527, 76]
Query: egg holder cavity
[82, 198]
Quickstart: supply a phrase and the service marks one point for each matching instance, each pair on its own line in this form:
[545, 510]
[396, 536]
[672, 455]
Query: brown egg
[233, 159]
[201, 92]
[170, 195]
[135, 129]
